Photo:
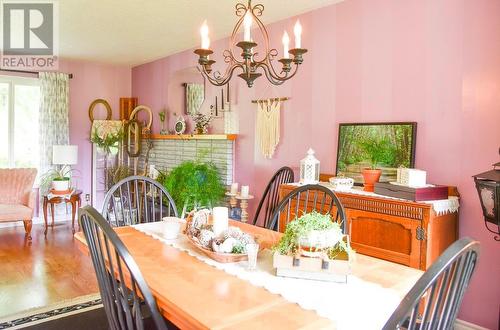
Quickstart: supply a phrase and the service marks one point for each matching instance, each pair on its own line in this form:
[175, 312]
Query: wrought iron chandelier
[250, 63]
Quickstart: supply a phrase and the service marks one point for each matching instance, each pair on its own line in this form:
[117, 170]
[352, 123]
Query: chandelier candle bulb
[297, 31]
[234, 188]
[244, 191]
[247, 25]
[286, 42]
[220, 215]
[205, 40]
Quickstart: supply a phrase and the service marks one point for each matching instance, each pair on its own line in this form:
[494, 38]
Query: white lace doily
[357, 304]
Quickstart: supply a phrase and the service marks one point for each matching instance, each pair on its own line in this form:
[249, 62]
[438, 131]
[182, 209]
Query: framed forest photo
[386, 146]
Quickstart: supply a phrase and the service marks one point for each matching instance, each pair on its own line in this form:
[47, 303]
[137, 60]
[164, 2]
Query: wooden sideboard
[405, 232]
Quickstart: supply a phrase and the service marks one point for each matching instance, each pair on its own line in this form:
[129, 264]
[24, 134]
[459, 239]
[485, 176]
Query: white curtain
[54, 108]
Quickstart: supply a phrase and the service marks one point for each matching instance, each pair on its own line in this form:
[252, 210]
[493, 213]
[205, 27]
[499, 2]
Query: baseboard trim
[464, 325]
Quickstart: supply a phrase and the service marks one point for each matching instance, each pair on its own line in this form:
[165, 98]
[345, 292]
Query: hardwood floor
[44, 272]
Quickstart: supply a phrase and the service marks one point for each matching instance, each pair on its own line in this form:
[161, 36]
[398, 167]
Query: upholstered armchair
[17, 199]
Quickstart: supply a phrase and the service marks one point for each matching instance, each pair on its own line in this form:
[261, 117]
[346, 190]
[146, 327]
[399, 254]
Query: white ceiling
[133, 32]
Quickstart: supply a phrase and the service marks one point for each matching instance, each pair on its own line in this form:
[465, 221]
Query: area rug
[84, 312]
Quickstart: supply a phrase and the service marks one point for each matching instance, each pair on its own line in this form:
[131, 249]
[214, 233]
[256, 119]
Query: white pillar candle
[234, 188]
[297, 31]
[220, 217]
[205, 40]
[244, 191]
[286, 42]
[247, 25]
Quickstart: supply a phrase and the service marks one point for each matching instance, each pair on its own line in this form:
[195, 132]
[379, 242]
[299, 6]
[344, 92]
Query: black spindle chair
[270, 198]
[127, 307]
[137, 199]
[433, 302]
[312, 198]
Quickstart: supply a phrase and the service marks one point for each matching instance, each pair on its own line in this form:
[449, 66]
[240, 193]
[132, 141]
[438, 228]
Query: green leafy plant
[378, 151]
[108, 143]
[62, 174]
[288, 244]
[117, 173]
[194, 183]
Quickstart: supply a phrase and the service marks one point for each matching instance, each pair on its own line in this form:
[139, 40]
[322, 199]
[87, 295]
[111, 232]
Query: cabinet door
[386, 237]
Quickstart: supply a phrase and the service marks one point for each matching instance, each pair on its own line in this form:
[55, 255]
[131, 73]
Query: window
[19, 112]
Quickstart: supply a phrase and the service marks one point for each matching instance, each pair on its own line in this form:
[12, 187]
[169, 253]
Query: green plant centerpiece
[313, 247]
[194, 184]
[314, 234]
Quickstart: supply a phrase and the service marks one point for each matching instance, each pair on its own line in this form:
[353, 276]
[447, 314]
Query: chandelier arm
[271, 73]
[256, 11]
[224, 79]
[274, 80]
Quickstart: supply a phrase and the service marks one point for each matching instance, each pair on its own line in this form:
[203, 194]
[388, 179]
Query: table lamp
[64, 155]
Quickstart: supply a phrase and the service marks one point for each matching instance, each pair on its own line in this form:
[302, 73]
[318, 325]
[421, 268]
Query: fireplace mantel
[230, 137]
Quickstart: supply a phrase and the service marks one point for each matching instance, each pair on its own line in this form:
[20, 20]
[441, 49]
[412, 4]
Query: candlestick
[232, 200]
[244, 207]
[222, 98]
[247, 24]
[297, 31]
[220, 216]
[244, 191]
[286, 41]
[205, 40]
[234, 188]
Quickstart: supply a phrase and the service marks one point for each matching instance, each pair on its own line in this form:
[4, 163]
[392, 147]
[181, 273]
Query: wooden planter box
[312, 268]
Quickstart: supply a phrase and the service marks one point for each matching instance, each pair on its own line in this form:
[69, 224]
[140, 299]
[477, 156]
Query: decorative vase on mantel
[370, 177]
[201, 130]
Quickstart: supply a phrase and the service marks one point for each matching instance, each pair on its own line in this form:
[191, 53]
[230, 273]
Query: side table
[75, 201]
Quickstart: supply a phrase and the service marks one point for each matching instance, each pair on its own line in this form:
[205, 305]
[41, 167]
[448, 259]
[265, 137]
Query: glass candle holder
[252, 252]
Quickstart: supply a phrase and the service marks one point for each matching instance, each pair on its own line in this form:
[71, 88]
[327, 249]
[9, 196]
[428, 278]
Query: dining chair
[270, 198]
[137, 199]
[127, 306]
[313, 197]
[433, 302]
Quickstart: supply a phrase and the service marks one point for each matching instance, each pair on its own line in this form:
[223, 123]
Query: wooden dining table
[194, 295]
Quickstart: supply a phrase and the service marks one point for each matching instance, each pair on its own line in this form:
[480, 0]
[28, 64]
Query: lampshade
[65, 155]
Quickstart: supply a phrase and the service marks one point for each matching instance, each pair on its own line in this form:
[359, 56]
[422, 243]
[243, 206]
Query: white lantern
[309, 169]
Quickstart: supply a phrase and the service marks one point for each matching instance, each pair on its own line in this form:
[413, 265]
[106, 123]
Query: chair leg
[27, 227]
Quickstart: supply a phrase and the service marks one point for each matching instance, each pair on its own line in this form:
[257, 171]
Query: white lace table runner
[357, 304]
[441, 207]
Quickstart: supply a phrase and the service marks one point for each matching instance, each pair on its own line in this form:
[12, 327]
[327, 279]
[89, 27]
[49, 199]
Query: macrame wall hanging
[268, 125]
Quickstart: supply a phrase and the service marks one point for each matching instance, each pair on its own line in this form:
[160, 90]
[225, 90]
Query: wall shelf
[230, 137]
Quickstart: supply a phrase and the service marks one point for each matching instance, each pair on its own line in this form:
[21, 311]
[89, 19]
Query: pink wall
[433, 62]
[91, 81]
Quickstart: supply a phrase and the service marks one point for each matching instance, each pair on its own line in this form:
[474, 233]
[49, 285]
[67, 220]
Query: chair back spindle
[125, 295]
[305, 199]
[270, 198]
[137, 199]
[433, 302]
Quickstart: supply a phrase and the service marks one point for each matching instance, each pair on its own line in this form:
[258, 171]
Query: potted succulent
[194, 184]
[201, 122]
[378, 152]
